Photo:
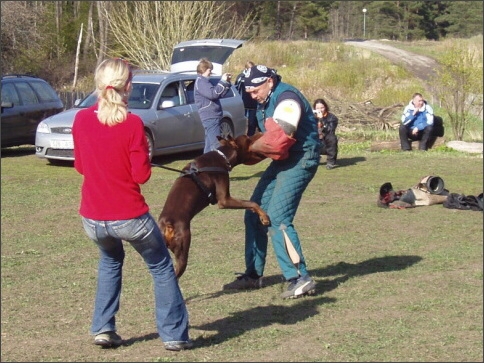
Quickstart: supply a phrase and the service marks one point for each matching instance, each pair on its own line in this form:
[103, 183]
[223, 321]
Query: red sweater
[114, 162]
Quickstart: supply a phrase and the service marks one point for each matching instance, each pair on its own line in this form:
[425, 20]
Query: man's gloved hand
[274, 143]
[226, 77]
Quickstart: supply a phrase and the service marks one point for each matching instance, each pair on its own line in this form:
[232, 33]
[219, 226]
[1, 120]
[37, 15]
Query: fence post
[68, 98]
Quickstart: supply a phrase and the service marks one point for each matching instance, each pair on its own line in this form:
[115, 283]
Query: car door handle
[188, 114]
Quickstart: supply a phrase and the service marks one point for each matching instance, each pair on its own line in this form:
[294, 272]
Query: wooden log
[385, 145]
[395, 144]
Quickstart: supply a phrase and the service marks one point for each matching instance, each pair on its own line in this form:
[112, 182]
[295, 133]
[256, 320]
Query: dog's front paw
[265, 220]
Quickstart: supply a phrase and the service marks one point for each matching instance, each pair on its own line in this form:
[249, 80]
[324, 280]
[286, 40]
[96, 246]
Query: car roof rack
[18, 75]
[162, 71]
[150, 71]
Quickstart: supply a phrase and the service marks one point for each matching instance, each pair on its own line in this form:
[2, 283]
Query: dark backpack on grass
[438, 129]
[464, 202]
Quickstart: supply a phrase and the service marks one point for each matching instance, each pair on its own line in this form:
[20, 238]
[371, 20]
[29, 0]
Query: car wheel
[149, 139]
[226, 128]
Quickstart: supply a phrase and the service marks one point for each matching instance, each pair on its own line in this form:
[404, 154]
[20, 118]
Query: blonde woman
[111, 153]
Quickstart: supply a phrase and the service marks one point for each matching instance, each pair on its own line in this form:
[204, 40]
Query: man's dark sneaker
[304, 285]
[108, 339]
[243, 282]
[176, 346]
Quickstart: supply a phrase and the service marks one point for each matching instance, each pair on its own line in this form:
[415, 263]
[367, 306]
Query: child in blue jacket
[207, 99]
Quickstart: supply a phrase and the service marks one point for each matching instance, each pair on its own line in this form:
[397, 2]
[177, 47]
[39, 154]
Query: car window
[27, 94]
[170, 93]
[142, 95]
[44, 91]
[229, 93]
[90, 100]
[189, 87]
[9, 94]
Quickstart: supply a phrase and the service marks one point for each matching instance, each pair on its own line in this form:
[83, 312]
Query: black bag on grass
[464, 202]
[438, 129]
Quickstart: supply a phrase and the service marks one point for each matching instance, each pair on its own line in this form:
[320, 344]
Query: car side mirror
[167, 104]
[7, 105]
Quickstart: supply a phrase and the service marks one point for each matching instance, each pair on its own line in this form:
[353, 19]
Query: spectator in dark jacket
[250, 104]
[207, 99]
[327, 123]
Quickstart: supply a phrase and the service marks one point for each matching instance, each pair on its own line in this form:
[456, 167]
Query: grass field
[392, 285]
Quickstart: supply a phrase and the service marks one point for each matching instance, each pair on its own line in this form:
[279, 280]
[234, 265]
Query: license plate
[62, 144]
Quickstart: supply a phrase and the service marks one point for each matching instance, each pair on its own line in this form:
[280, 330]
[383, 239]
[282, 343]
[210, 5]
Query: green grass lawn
[392, 285]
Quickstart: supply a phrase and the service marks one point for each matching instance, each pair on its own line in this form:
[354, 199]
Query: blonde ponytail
[112, 78]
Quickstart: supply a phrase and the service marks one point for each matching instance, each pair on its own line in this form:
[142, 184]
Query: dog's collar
[227, 160]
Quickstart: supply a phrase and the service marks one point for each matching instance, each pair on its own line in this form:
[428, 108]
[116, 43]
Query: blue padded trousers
[279, 192]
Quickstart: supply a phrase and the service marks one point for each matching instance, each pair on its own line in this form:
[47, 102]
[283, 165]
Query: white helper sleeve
[287, 114]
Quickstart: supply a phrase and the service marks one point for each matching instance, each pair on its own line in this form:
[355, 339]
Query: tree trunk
[278, 21]
[76, 66]
[291, 22]
[89, 31]
[103, 30]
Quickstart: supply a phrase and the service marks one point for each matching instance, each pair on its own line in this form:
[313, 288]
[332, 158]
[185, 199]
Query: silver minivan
[164, 101]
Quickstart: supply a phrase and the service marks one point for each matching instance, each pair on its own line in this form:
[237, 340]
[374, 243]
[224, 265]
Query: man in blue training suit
[295, 159]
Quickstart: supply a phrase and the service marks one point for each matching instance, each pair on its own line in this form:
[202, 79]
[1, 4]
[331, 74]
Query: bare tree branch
[146, 31]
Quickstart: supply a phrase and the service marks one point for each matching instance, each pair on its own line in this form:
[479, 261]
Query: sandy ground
[470, 147]
[423, 67]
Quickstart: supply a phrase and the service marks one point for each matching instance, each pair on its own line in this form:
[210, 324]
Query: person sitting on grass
[417, 124]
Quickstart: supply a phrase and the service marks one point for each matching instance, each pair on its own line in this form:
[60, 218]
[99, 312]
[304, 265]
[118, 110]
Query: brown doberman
[205, 181]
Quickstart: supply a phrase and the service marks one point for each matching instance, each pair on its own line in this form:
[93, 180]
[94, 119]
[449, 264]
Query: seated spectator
[327, 123]
[417, 124]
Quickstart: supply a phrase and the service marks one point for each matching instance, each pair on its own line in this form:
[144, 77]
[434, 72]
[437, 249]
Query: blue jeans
[144, 235]
[212, 130]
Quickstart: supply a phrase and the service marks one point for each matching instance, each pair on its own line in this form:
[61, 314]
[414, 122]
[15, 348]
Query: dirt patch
[470, 147]
[419, 65]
